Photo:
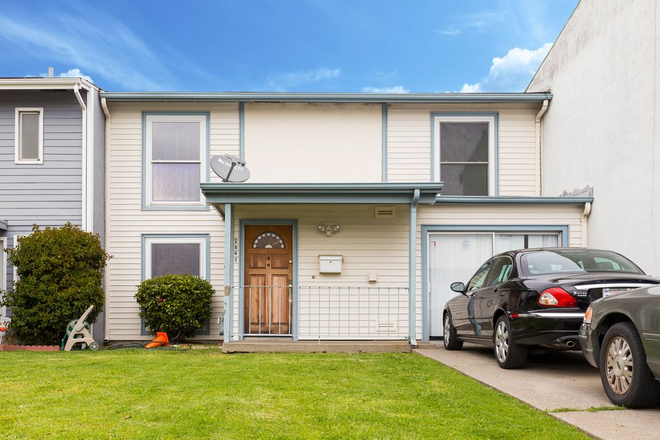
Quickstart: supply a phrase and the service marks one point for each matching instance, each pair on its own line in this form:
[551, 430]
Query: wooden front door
[268, 279]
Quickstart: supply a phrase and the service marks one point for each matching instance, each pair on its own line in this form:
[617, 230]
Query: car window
[479, 278]
[576, 260]
[500, 271]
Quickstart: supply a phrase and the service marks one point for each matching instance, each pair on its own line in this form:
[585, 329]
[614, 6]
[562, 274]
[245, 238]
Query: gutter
[328, 97]
[538, 151]
[85, 154]
[412, 267]
[108, 122]
[584, 224]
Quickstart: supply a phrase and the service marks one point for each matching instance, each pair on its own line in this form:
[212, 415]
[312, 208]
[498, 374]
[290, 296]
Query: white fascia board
[60, 83]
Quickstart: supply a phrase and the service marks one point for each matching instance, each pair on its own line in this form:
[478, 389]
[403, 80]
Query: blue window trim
[496, 130]
[427, 229]
[207, 238]
[241, 268]
[206, 175]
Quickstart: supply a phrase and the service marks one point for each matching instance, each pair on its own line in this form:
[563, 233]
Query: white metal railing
[325, 312]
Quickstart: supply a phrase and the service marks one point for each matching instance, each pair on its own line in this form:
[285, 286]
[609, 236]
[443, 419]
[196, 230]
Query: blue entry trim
[241, 130]
[206, 175]
[384, 152]
[241, 269]
[496, 131]
[229, 272]
[203, 332]
[426, 229]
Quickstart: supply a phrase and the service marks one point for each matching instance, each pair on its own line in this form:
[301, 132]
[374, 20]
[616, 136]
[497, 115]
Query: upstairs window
[29, 135]
[175, 159]
[465, 154]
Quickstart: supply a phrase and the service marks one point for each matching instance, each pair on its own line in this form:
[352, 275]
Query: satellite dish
[230, 168]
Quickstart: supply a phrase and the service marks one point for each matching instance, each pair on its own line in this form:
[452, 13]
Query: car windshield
[582, 261]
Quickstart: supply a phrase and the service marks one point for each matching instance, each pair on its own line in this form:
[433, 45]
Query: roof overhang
[48, 83]
[3, 225]
[319, 193]
[505, 200]
[420, 98]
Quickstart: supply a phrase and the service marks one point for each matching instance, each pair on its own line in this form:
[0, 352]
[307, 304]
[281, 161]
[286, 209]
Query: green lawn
[207, 394]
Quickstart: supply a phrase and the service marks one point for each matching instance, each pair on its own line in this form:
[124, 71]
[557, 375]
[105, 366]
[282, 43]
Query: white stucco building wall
[603, 125]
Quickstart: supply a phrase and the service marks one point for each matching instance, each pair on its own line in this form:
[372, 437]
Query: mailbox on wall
[330, 263]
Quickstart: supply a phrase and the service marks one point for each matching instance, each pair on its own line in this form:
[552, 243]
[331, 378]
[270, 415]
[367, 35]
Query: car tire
[627, 378]
[450, 338]
[509, 355]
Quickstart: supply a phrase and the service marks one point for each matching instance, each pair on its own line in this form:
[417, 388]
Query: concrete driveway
[562, 383]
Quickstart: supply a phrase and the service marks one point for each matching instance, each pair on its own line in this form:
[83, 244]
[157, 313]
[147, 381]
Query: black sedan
[534, 297]
[621, 337]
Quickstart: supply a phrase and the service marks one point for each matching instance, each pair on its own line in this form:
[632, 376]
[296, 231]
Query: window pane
[175, 140]
[465, 180]
[176, 182]
[29, 142]
[538, 241]
[464, 141]
[175, 259]
[508, 242]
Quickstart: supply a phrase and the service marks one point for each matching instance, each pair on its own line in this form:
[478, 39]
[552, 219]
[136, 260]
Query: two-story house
[360, 210]
[52, 160]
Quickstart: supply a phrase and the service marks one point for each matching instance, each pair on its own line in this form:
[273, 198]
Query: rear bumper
[548, 328]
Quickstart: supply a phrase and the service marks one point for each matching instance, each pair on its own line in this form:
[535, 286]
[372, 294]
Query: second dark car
[534, 297]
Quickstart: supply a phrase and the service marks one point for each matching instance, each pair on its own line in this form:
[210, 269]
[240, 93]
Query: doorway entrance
[268, 290]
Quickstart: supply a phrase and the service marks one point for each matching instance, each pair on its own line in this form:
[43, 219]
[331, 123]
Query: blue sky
[285, 45]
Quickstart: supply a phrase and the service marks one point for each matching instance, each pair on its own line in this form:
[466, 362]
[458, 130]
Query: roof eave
[47, 83]
[511, 200]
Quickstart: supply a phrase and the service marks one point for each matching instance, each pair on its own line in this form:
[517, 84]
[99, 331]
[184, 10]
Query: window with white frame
[465, 154]
[175, 159]
[29, 136]
[165, 255]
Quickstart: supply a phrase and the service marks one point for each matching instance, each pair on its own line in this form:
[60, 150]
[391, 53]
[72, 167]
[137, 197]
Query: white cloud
[98, 44]
[512, 72]
[395, 89]
[477, 22]
[76, 73]
[288, 80]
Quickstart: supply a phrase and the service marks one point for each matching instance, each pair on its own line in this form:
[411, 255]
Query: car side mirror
[458, 287]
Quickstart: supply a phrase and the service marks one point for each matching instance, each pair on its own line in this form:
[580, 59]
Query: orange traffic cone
[161, 339]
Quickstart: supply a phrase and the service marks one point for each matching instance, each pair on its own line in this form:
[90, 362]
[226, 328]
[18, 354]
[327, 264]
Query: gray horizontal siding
[48, 194]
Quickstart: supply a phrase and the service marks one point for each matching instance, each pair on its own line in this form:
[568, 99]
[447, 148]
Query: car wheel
[509, 355]
[450, 338]
[626, 376]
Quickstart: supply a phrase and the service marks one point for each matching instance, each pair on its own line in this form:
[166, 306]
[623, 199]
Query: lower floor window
[175, 255]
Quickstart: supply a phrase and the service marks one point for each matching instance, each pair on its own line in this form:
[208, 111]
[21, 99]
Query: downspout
[76, 91]
[539, 151]
[412, 267]
[584, 225]
[108, 119]
[229, 272]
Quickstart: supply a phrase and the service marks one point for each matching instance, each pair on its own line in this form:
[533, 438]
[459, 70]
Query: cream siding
[409, 143]
[127, 221]
[292, 143]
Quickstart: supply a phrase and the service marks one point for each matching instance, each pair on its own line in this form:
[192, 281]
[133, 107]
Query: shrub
[176, 304]
[60, 273]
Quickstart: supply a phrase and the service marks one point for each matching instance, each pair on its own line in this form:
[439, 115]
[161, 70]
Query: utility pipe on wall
[76, 92]
[584, 225]
[539, 151]
[108, 118]
[412, 267]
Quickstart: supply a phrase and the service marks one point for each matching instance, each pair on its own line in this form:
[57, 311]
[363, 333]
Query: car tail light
[556, 297]
[588, 314]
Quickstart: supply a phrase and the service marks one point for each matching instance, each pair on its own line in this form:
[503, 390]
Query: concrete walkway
[555, 382]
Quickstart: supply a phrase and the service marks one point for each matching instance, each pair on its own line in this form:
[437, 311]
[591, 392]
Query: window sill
[175, 207]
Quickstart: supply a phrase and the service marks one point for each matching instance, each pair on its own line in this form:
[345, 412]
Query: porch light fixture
[328, 229]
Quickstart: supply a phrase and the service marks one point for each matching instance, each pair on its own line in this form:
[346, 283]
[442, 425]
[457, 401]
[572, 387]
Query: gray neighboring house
[52, 161]
[602, 128]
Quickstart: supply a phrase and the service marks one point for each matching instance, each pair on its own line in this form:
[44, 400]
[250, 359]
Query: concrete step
[269, 346]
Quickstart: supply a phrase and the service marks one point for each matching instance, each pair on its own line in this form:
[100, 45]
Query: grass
[207, 394]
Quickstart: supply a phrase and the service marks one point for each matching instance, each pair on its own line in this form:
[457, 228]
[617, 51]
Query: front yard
[207, 394]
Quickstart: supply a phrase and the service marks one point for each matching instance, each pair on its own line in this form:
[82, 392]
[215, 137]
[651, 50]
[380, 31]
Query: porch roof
[320, 193]
[513, 200]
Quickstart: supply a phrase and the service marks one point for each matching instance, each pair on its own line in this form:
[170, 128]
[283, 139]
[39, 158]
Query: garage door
[456, 256]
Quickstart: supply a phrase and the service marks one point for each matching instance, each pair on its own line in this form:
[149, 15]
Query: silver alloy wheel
[502, 342]
[446, 336]
[619, 368]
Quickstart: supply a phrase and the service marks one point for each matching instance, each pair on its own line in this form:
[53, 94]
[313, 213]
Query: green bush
[60, 273]
[176, 304]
